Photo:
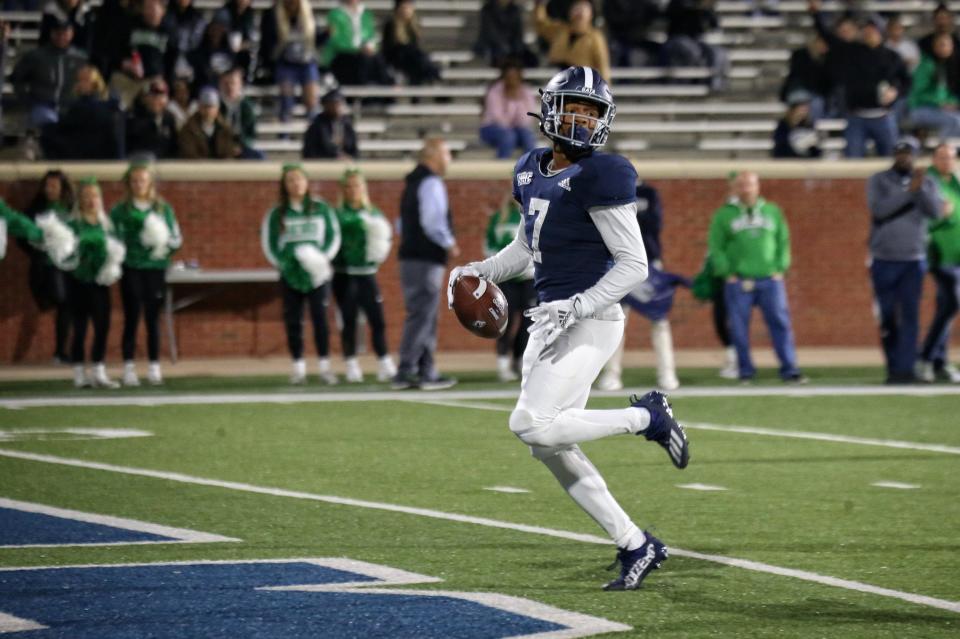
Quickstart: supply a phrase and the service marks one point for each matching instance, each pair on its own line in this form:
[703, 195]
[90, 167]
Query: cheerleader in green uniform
[366, 239]
[96, 265]
[300, 237]
[148, 228]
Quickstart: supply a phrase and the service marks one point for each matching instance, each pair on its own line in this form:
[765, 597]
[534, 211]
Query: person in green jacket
[351, 51]
[366, 238]
[520, 292]
[96, 266]
[749, 247]
[945, 267]
[148, 228]
[301, 236]
[18, 225]
[934, 98]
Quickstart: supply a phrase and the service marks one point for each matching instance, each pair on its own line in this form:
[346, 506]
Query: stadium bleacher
[660, 111]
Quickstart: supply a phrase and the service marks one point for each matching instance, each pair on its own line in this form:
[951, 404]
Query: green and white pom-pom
[314, 262]
[156, 236]
[59, 241]
[379, 238]
[113, 266]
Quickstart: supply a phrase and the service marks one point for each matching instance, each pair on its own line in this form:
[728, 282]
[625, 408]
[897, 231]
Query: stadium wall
[220, 207]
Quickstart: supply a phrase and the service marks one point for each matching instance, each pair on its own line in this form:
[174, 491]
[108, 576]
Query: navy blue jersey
[569, 255]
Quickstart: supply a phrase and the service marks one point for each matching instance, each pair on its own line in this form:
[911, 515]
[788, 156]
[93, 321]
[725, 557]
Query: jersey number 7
[538, 211]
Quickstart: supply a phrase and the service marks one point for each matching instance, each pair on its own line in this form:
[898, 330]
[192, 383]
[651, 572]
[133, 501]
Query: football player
[580, 231]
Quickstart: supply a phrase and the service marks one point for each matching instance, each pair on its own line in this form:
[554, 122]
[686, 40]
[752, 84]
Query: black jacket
[145, 135]
[806, 73]
[89, 129]
[318, 141]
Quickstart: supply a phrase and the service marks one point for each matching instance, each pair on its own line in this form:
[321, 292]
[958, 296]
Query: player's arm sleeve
[269, 232]
[621, 234]
[511, 261]
[433, 212]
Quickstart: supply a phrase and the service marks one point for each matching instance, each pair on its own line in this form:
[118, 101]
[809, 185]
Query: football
[480, 306]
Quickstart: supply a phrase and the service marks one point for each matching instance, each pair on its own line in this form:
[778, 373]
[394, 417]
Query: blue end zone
[222, 601]
[20, 528]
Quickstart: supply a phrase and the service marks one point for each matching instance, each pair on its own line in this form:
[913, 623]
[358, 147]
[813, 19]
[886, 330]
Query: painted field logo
[285, 598]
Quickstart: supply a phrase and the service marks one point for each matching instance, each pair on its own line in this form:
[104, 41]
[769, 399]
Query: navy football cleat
[635, 565]
[663, 428]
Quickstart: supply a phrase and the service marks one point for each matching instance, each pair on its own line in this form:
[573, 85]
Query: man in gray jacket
[902, 200]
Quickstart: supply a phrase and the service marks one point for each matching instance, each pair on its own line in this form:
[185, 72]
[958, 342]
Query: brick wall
[828, 286]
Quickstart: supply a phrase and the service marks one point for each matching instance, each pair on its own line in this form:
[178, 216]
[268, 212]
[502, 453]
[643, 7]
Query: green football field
[820, 515]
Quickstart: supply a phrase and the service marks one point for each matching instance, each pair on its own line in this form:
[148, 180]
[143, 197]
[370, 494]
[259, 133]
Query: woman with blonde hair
[147, 226]
[288, 42]
[90, 127]
[365, 243]
[402, 46]
[95, 266]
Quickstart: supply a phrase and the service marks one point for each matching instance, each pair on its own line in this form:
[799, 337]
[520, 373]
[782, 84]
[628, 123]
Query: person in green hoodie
[96, 266]
[749, 246]
[18, 225]
[148, 228]
[365, 244]
[351, 51]
[944, 255]
[520, 292]
[301, 236]
[933, 98]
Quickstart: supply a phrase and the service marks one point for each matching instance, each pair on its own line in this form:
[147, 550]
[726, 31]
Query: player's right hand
[457, 273]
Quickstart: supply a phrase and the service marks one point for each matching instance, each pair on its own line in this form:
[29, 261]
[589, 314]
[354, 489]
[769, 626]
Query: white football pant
[550, 417]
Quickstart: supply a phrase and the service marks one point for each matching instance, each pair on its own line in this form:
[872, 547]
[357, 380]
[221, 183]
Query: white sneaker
[354, 373]
[505, 370]
[950, 373]
[924, 371]
[80, 379]
[731, 369]
[154, 376]
[668, 382]
[327, 375]
[608, 382]
[100, 379]
[130, 375]
[386, 369]
[298, 375]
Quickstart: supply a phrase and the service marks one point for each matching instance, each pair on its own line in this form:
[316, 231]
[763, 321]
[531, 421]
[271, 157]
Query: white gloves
[553, 318]
[457, 273]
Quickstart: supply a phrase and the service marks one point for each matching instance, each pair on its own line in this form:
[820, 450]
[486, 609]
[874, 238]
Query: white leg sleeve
[662, 340]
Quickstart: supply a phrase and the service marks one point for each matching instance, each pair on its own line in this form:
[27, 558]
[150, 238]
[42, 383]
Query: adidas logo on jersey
[564, 184]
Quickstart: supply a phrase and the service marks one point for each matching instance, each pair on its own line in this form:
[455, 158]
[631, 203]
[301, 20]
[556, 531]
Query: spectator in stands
[943, 22]
[331, 133]
[240, 113]
[4, 45]
[351, 51]
[151, 129]
[519, 292]
[43, 77]
[111, 18]
[872, 77]
[243, 36]
[214, 56]
[749, 246]
[575, 42]
[147, 226]
[899, 42]
[846, 27]
[288, 44]
[688, 21]
[48, 284]
[944, 255]
[206, 135]
[300, 237]
[500, 34]
[151, 52]
[98, 261]
[92, 125]
[426, 241]
[181, 104]
[935, 94]
[795, 135]
[902, 200]
[808, 72]
[628, 24]
[505, 124]
[402, 47]
[75, 12]
[366, 239]
[187, 23]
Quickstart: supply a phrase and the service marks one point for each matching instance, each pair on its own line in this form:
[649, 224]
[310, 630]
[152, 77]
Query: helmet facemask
[580, 138]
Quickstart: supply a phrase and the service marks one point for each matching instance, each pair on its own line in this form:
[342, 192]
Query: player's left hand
[553, 318]
[456, 274]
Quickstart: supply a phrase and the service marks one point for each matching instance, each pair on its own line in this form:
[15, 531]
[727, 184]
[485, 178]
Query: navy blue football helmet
[576, 84]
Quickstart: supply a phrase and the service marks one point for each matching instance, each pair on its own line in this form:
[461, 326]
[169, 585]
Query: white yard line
[162, 399]
[952, 606]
